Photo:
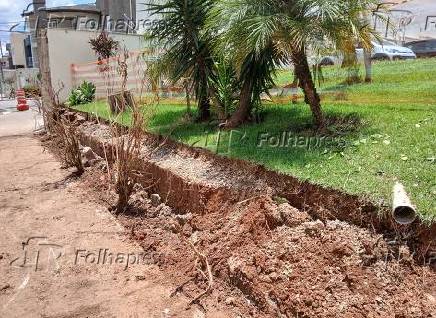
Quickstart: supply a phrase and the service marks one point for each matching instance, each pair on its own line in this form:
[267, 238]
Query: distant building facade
[116, 16]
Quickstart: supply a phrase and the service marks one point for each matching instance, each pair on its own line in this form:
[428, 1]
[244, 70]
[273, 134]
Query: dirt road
[62, 256]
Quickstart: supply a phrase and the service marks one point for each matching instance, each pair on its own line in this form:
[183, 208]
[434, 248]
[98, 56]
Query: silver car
[385, 50]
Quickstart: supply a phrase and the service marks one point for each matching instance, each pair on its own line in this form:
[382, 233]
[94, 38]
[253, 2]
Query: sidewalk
[13, 122]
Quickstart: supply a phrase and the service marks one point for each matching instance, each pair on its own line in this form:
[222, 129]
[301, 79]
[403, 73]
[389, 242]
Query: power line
[8, 31]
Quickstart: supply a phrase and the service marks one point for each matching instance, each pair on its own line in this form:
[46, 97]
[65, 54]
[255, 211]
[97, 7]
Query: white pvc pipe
[403, 211]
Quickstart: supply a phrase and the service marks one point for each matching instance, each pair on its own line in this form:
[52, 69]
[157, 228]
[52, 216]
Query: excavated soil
[272, 260]
[191, 177]
[276, 247]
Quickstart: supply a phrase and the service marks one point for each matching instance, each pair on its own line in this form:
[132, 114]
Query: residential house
[74, 26]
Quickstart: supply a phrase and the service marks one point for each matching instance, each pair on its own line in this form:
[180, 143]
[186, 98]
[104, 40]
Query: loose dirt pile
[268, 259]
[272, 260]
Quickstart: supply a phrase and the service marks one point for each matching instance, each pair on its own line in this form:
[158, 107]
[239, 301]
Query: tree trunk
[203, 94]
[188, 96]
[368, 65]
[203, 108]
[242, 114]
[351, 63]
[367, 53]
[311, 96]
[47, 92]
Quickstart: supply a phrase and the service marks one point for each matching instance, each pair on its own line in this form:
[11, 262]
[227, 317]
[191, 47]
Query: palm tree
[178, 29]
[255, 69]
[292, 28]
[256, 76]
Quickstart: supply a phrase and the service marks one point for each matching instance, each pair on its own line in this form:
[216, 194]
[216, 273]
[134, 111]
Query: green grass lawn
[380, 132]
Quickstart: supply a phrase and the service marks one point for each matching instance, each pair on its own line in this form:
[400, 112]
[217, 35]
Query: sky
[10, 13]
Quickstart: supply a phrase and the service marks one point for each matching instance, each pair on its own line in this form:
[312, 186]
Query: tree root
[179, 288]
[208, 275]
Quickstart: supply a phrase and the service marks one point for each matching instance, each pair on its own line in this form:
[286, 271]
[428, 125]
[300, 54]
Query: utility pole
[48, 95]
[47, 92]
[2, 79]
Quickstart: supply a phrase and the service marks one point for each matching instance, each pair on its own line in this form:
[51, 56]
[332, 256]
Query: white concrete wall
[21, 77]
[407, 26]
[17, 48]
[67, 47]
[143, 17]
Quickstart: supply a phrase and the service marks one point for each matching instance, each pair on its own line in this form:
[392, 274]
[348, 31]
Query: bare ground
[39, 200]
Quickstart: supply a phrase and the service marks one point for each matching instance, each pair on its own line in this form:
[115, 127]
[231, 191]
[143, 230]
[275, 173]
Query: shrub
[84, 94]
[104, 46]
[226, 89]
[32, 91]
[87, 90]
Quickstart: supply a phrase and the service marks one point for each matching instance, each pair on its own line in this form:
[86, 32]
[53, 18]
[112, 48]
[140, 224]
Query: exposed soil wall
[272, 260]
[232, 180]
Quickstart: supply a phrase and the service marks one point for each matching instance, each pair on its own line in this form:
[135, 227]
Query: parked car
[381, 51]
[424, 48]
[391, 51]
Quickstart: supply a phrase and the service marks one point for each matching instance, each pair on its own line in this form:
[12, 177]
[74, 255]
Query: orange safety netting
[107, 76]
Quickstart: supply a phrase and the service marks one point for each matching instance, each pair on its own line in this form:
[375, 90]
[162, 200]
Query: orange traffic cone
[21, 101]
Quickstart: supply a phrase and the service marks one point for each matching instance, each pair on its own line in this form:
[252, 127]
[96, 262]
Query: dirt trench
[190, 177]
[289, 259]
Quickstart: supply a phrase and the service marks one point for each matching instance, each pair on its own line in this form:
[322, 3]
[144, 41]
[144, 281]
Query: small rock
[80, 119]
[274, 276]
[230, 301]
[265, 279]
[140, 197]
[88, 154]
[165, 210]
[183, 218]
[292, 216]
[431, 298]
[187, 230]
[405, 255]
[314, 228]
[172, 226]
[155, 200]
[234, 265]
[199, 314]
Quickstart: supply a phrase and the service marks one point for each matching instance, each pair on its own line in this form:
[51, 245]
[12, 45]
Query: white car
[390, 51]
[386, 50]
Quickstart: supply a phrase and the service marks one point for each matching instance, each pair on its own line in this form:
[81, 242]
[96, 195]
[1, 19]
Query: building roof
[82, 8]
[86, 8]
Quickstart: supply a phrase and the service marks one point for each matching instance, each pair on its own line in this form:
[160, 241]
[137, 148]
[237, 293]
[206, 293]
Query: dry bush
[126, 154]
[66, 133]
[127, 142]
[62, 130]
